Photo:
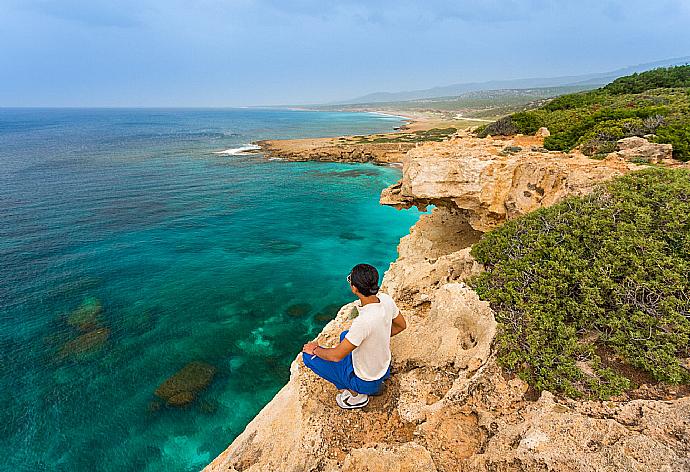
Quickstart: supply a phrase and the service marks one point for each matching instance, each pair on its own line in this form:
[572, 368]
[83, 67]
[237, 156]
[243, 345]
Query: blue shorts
[342, 373]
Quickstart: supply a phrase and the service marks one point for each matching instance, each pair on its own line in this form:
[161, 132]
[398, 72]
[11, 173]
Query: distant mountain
[595, 80]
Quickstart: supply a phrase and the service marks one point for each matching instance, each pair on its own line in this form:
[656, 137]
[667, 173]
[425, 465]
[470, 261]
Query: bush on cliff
[654, 102]
[594, 288]
[665, 77]
[678, 134]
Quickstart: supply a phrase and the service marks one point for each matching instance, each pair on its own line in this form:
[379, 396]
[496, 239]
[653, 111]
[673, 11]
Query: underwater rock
[208, 407]
[351, 236]
[181, 399]
[181, 388]
[87, 316]
[86, 343]
[298, 309]
[328, 312]
[281, 246]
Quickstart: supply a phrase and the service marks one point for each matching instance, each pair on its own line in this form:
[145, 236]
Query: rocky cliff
[448, 406]
[335, 150]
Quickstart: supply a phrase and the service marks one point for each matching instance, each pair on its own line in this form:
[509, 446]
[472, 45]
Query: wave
[389, 115]
[246, 149]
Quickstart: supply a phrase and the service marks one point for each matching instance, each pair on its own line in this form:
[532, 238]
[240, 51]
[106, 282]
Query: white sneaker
[347, 401]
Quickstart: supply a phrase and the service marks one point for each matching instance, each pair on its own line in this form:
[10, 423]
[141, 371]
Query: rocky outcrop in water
[448, 406]
[87, 316]
[89, 335]
[182, 387]
[86, 343]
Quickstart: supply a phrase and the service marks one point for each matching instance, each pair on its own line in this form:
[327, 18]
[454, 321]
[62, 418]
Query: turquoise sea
[175, 254]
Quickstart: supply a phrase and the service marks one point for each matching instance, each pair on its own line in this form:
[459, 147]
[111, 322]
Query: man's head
[364, 280]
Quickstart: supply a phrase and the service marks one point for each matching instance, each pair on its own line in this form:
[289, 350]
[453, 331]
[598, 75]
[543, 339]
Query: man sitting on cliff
[360, 363]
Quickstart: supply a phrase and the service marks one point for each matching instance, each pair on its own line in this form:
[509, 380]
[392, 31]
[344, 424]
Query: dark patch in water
[280, 246]
[298, 309]
[364, 172]
[328, 312]
[351, 236]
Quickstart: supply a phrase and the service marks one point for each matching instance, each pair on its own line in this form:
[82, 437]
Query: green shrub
[670, 77]
[605, 273]
[563, 141]
[602, 138]
[501, 127]
[677, 134]
[573, 101]
[526, 123]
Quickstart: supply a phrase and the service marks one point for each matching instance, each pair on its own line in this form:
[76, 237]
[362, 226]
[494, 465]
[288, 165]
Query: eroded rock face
[491, 186]
[410, 457]
[639, 435]
[435, 252]
[182, 387]
[640, 149]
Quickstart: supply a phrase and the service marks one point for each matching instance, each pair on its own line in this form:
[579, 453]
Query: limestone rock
[181, 388]
[458, 328]
[409, 457]
[543, 132]
[435, 252]
[636, 148]
[627, 437]
[331, 150]
[491, 188]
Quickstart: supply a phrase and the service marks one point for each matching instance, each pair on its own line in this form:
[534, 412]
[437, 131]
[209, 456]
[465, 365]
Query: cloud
[397, 11]
[95, 13]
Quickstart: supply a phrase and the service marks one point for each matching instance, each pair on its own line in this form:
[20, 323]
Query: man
[360, 363]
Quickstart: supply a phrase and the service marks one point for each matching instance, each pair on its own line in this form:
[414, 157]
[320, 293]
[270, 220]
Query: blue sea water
[232, 260]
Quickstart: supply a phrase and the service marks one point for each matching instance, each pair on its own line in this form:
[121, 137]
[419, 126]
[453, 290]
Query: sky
[221, 53]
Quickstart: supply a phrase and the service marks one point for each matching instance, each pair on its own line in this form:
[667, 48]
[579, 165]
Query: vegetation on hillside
[477, 104]
[433, 134]
[592, 295]
[653, 103]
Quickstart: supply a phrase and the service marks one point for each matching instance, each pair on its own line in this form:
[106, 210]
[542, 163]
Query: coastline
[378, 148]
[449, 406]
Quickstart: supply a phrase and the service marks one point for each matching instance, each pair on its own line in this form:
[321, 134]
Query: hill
[583, 81]
[654, 103]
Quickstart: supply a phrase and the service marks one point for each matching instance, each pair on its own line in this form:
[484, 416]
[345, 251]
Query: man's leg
[334, 372]
[342, 337]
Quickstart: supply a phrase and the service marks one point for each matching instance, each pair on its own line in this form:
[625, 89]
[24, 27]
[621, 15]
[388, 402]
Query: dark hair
[365, 278]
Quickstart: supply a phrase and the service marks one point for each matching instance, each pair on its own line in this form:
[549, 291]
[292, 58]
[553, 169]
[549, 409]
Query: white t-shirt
[371, 333]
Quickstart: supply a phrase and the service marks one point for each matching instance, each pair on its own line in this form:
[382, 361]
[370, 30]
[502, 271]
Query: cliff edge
[448, 406]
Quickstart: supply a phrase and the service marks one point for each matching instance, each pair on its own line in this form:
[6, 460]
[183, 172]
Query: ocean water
[183, 253]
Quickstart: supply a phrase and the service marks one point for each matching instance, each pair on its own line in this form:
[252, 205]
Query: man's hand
[309, 348]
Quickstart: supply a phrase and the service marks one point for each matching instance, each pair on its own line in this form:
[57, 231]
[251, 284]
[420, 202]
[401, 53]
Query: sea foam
[246, 149]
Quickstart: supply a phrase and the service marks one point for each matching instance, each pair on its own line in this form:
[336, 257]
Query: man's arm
[333, 354]
[399, 324]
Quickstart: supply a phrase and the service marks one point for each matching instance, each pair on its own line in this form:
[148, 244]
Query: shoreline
[448, 390]
[380, 148]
